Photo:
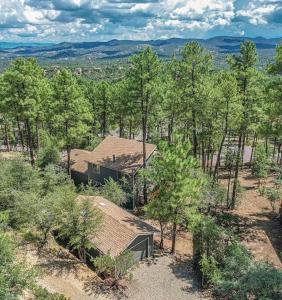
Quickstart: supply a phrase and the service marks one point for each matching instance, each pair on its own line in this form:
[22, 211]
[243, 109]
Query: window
[94, 169]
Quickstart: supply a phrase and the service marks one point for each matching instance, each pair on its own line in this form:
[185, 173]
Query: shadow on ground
[182, 268]
[94, 286]
[59, 263]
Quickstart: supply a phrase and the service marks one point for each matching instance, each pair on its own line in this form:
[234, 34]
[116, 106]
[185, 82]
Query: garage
[142, 247]
[120, 231]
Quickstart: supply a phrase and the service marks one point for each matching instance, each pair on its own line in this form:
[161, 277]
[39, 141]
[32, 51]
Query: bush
[48, 154]
[93, 143]
[15, 276]
[113, 192]
[40, 293]
[53, 177]
[16, 176]
[254, 281]
[228, 267]
[273, 195]
[262, 281]
[116, 268]
[261, 163]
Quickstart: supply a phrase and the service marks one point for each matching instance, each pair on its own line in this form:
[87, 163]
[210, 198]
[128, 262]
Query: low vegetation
[36, 204]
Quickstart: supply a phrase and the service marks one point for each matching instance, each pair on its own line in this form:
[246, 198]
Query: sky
[102, 20]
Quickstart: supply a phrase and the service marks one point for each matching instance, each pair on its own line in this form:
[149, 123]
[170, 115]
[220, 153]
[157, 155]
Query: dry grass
[60, 271]
[10, 155]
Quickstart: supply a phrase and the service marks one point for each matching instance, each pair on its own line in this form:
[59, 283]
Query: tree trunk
[120, 126]
[144, 166]
[243, 150]
[203, 157]
[130, 129]
[233, 199]
[228, 189]
[162, 236]
[37, 136]
[218, 158]
[104, 117]
[274, 148]
[20, 134]
[144, 132]
[6, 137]
[195, 141]
[279, 151]
[211, 164]
[104, 125]
[194, 124]
[69, 159]
[253, 148]
[173, 238]
[30, 143]
[217, 164]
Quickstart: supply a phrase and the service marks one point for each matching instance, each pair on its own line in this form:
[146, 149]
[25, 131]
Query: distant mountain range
[122, 49]
[10, 45]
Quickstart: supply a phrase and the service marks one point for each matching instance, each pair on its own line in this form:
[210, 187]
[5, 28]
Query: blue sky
[92, 20]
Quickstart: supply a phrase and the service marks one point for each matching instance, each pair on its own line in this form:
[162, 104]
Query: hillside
[122, 49]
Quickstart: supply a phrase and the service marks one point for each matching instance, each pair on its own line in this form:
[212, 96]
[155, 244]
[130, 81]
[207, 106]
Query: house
[115, 158]
[120, 231]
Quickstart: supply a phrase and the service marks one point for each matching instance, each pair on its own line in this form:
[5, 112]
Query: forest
[210, 126]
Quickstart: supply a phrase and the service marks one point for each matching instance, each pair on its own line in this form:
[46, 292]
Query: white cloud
[258, 11]
[57, 20]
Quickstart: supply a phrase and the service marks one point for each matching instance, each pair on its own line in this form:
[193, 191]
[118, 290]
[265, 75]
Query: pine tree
[141, 77]
[24, 89]
[71, 111]
[177, 182]
[244, 67]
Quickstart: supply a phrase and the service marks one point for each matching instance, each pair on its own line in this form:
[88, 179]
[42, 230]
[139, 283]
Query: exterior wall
[105, 174]
[79, 178]
[100, 176]
[142, 245]
[144, 242]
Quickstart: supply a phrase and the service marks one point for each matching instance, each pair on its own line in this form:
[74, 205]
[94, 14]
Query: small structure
[115, 158]
[120, 231]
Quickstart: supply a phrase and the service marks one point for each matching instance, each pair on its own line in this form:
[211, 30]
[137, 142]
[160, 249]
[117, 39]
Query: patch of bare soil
[184, 244]
[62, 273]
[10, 155]
[260, 228]
[262, 233]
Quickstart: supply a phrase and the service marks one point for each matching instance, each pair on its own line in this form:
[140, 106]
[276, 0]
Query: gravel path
[164, 279]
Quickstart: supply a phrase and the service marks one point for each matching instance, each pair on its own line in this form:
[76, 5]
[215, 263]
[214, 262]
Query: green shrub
[15, 276]
[273, 194]
[261, 163]
[113, 192]
[16, 176]
[48, 154]
[116, 268]
[94, 141]
[41, 293]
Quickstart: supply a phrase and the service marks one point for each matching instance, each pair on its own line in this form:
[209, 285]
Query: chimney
[114, 158]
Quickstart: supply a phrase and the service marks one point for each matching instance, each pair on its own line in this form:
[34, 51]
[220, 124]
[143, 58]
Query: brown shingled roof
[128, 155]
[119, 227]
[79, 160]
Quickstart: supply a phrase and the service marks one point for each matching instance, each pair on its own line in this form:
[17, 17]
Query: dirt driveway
[165, 278]
[162, 278]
